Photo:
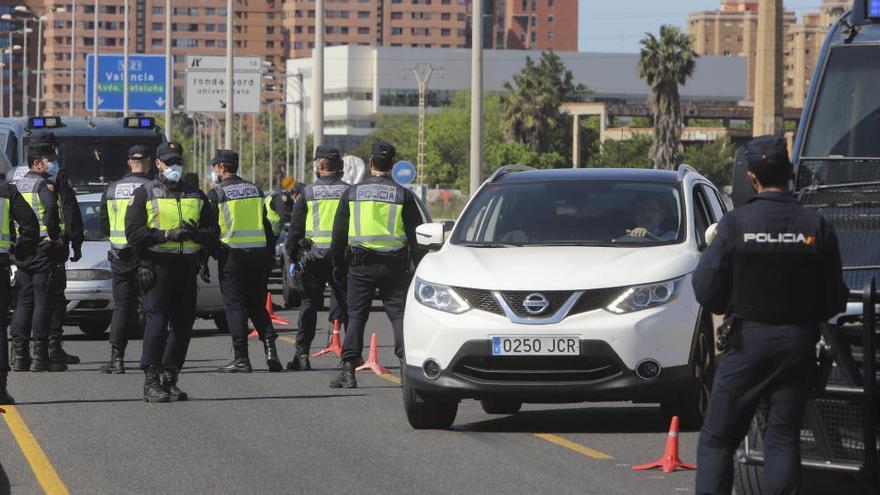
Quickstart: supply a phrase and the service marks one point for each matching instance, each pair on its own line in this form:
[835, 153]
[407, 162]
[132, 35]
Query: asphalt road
[288, 432]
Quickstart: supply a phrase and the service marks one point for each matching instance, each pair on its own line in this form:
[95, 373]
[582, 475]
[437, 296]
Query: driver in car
[649, 214]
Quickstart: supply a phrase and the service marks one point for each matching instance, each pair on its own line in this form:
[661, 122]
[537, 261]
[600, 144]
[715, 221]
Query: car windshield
[841, 144]
[91, 222]
[553, 213]
[95, 161]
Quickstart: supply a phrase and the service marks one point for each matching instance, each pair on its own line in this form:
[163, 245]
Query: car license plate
[536, 346]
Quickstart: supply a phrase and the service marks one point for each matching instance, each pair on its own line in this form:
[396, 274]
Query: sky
[618, 25]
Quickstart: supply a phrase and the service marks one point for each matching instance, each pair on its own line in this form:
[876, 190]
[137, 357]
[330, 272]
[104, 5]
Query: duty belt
[366, 257]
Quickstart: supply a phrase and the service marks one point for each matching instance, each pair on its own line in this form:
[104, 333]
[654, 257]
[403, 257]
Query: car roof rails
[506, 169]
[685, 169]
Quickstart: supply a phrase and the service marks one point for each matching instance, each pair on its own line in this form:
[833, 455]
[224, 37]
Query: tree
[713, 159]
[629, 153]
[530, 109]
[665, 63]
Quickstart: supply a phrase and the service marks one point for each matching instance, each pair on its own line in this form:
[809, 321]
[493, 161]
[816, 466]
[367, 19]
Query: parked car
[546, 290]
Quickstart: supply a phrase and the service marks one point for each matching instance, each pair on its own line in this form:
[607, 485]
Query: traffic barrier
[275, 318]
[335, 343]
[670, 460]
[373, 361]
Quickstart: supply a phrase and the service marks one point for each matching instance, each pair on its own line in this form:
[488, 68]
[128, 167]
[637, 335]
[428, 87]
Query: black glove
[146, 277]
[192, 230]
[205, 274]
[77, 253]
[177, 235]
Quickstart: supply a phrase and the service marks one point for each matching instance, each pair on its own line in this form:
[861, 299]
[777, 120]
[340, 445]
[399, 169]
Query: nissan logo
[535, 304]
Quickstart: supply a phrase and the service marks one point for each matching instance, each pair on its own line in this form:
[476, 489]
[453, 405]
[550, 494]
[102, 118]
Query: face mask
[172, 173]
[215, 178]
[53, 168]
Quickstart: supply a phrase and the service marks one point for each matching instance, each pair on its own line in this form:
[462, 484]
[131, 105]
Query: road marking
[288, 340]
[595, 454]
[42, 468]
[390, 378]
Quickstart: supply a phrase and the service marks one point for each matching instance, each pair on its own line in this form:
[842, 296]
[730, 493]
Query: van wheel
[748, 479]
[500, 406]
[290, 298]
[691, 405]
[221, 323]
[427, 413]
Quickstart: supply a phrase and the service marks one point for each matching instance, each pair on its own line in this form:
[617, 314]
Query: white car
[90, 286]
[563, 286]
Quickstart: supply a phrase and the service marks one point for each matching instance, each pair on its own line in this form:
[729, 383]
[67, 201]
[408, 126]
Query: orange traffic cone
[275, 318]
[373, 361]
[670, 460]
[254, 334]
[335, 343]
[2, 411]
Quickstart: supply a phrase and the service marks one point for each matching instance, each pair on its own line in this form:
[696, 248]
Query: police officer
[281, 203]
[169, 222]
[376, 222]
[123, 257]
[13, 208]
[34, 308]
[308, 243]
[774, 269]
[245, 255]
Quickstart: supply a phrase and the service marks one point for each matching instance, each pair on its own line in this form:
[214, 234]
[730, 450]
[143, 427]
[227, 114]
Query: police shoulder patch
[50, 187]
[130, 200]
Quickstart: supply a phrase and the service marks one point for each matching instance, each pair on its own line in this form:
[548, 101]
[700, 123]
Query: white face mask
[215, 177]
[173, 173]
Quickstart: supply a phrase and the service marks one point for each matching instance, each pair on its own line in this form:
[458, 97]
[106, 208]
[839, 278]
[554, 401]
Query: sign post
[403, 173]
[146, 74]
[206, 84]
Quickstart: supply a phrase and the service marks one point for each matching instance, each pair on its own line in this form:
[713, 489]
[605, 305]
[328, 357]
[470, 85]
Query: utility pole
[229, 81]
[423, 74]
[24, 65]
[301, 147]
[169, 71]
[476, 160]
[254, 148]
[271, 106]
[318, 76]
[125, 81]
[39, 63]
[768, 112]
[95, 67]
[72, 54]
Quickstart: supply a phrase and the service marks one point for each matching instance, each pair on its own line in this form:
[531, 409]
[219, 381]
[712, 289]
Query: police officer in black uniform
[375, 228]
[123, 257]
[169, 222]
[308, 243]
[245, 252]
[18, 213]
[34, 309]
[774, 269]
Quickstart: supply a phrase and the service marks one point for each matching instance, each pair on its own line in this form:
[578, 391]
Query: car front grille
[480, 299]
[556, 299]
[590, 300]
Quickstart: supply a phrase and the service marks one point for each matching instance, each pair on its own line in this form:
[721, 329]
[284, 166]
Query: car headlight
[440, 297]
[88, 275]
[641, 297]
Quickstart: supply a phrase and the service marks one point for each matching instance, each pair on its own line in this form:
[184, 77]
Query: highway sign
[403, 172]
[146, 82]
[206, 84]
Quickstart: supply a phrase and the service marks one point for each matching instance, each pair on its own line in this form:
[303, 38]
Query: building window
[363, 14]
[156, 10]
[363, 30]
[396, 31]
[445, 32]
[157, 26]
[210, 11]
[534, 36]
[460, 17]
[396, 16]
[550, 35]
[425, 16]
[550, 19]
[421, 32]
[446, 16]
[551, 3]
[534, 21]
[460, 32]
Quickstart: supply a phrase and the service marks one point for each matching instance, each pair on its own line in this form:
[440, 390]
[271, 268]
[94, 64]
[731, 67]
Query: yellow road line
[390, 378]
[288, 340]
[43, 470]
[595, 454]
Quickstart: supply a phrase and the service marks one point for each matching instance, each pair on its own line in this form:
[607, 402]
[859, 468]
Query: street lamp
[10, 51]
[30, 15]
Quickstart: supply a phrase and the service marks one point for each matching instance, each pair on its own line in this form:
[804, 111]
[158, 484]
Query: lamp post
[125, 81]
[169, 72]
[230, 99]
[95, 100]
[10, 51]
[37, 17]
[72, 54]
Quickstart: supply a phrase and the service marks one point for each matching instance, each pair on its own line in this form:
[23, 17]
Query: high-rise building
[732, 30]
[11, 34]
[512, 24]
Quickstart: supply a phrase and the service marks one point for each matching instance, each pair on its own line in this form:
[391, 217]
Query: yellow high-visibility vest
[118, 195]
[323, 202]
[168, 211]
[241, 215]
[376, 219]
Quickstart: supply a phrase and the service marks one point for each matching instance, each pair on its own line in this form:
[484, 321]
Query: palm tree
[665, 63]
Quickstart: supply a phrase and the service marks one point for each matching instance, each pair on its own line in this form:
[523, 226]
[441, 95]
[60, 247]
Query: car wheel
[691, 405]
[749, 478]
[94, 328]
[500, 406]
[221, 323]
[427, 413]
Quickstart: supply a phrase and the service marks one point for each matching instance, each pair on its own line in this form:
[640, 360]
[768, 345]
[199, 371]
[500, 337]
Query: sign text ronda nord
[206, 84]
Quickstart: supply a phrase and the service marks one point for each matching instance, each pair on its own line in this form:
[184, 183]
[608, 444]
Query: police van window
[714, 201]
[91, 220]
[602, 212]
[703, 217]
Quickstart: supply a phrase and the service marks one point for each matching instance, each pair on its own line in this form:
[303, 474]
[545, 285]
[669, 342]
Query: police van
[836, 155]
[93, 151]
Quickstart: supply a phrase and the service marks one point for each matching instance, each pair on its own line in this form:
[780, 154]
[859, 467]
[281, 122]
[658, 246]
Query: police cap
[382, 149]
[767, 151]
[228, 157]
[139, 151]
[330, 154]
[169, 152]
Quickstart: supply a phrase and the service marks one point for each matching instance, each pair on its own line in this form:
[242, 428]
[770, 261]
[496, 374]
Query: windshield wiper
[569, 243]
[490, 244]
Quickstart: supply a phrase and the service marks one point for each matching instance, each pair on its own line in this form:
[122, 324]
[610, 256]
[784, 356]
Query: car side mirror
[711, 232]
[448, 225]
[430, 236]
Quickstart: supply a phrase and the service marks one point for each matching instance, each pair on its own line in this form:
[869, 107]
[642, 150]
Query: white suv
[563, 286]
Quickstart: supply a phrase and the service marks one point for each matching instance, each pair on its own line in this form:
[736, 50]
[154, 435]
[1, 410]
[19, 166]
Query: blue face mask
[53, 168]
[172, 173]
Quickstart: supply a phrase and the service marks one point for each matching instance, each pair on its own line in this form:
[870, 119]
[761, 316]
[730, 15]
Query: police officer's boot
[346, 377]
[300, 361]
[42, 361]
[56, 352]
[153, 391]
[21, 354]
[240, 362]
[169, 383]
[5, 398]
[271, 351]
[116, 366]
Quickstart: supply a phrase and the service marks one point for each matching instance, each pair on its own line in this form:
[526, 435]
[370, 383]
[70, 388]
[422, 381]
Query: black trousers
[125, 299]
[4, 318]
[33, 311]
[318, 275]
[171, 299]
[392, 278]
[774, 364]
[57, 287]
[244, 281]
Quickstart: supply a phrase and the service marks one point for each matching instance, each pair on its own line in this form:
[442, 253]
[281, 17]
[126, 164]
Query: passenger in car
[649, 216]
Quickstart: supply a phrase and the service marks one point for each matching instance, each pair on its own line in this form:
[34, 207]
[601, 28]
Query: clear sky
[618, 25]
